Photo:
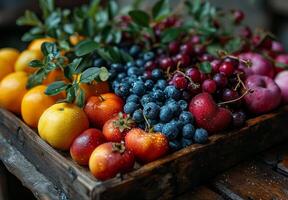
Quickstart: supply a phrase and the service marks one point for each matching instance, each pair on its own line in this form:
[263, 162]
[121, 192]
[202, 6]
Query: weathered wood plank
[76, 181]
[17, 164]
[252, 180]
[200, 193]
[166, 177]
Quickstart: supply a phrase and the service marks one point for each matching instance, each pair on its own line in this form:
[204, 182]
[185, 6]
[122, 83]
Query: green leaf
[161, 10]
[281, 65]
[75, 63]
[94, 5]
[36, 64]
[27, 37]
[47, 6]
[234, 45]
[171, 34]
[70, 91]
[140, 17]
[103, 74]
[112, 9]
[53, 20]
[29, 19]
[125, 56]
[55, 88]
[89, 75]
[48, 48]
[85, 47]
[80, 98]
[104, 54]
[205, 67]
[36, 78]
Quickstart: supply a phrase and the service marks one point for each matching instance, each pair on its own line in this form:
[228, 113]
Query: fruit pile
[117, 88]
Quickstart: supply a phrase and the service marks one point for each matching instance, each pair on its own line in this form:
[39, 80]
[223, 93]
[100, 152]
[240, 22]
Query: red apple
[265, 96]
[282, 81]
[83, 146]
[260, 65]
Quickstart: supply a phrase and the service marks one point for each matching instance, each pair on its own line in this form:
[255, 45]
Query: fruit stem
[118, 147]
[235, 100]
[148, 126]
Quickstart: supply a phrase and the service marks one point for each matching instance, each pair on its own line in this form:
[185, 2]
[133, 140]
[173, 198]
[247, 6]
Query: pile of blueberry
[152, 102]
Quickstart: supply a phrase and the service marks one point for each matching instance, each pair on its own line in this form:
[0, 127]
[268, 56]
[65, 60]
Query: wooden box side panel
[74, 180]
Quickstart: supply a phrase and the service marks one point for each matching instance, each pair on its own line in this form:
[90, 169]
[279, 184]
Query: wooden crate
[161, 179]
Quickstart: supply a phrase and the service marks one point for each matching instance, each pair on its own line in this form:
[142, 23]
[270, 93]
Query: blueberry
[133, 98]
[122, 90]
[158, 127]
[188, 131]
[173, 105]
[161, 84]
[157, 74]
[134, 71]
[138, 88]
[158, 95]
[166, 114]
[172, 92]
[134, 50]
[121, 76]
[138, 116]
[151, 110]
[175, 145]
[115, 84]
[99, 62]
[140, 63]
[186, 117]
[131, 79]
[130, 64]
[146, 99]
[186, 142]
[183, 105]
[178, 123]
[153, 122]
[170, 130]
[149, 84]
[112, 73]
[148, 56]
[130, 107]
[201, 136]
[117, 67]
[186, 95]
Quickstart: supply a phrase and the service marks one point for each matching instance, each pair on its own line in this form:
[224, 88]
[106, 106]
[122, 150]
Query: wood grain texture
[17, 164]
[200, 193]
[253, 180]
[165, 178]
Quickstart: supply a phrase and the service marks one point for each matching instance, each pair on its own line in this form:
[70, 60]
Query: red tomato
[100, 109]
[145, 146]
[109, 159]
[83, 146]
[115, 129]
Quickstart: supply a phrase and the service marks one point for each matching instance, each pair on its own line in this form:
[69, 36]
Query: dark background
[268, 14]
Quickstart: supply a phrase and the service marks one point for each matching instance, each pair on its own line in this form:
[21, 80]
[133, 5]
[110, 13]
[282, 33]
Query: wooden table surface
[264, 177]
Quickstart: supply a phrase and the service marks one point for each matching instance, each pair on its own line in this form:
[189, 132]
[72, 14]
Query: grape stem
[235, 100]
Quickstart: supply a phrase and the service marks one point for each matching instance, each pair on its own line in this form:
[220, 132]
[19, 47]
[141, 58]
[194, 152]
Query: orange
[61, 123]
[22, 63]
[12, 90]
[95, 89]
[37, 43]
[10, 55]
[34, 103]
[55, 75]
[76, 38]
[5, 68]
